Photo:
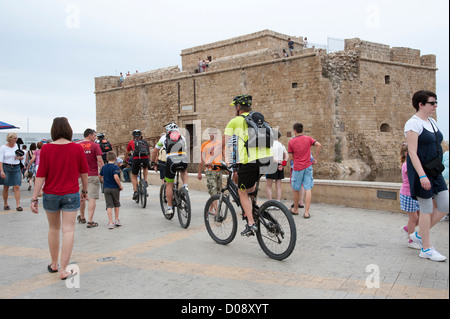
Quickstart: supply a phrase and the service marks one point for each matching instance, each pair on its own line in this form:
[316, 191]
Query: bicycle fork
[220, 217]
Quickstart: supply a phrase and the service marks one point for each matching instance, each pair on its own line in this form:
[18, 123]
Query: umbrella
[5, 126]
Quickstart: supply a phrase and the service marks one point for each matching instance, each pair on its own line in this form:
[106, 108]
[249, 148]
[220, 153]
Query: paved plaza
[341, 253]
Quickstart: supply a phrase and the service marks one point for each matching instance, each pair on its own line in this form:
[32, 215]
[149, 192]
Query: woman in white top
[10, 170]
[424, 144]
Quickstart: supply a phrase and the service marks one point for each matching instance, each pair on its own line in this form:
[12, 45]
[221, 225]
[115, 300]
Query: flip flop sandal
[81, 220]
[49, 267]
[293, 212]
[6, 207]
[69, 275]
[91, 224]
[19, 209]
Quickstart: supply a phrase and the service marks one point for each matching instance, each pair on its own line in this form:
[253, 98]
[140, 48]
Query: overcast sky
[51, 50]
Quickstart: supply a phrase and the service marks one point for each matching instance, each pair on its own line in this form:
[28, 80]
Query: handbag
[434, 167]
[20, 153]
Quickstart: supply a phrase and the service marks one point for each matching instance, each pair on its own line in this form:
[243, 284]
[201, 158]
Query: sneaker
[186, 188]
[135, 195]
[249, 230]
[111, 226]
[416, 238]
[117, 223]
[169, 211]
[413, 245]
[431, 254]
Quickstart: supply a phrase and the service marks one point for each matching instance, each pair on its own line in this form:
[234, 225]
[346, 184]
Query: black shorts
[136, 165]
[172, 165]
[249, 174]
[273, 172]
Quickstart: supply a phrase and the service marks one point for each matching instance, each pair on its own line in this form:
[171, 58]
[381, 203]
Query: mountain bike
[276, 234]
[181, 202]
[141, 188]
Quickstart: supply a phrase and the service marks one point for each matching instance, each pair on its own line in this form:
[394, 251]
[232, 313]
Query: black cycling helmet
[100, 135]
[242, 99]
[136, 133]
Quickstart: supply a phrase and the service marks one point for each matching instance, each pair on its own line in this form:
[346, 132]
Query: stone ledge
[356, 194]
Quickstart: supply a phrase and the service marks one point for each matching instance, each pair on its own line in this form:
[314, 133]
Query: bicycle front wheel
[220, 219]
[184, 208]
[142, 193]
[163, 201]
[276, 234]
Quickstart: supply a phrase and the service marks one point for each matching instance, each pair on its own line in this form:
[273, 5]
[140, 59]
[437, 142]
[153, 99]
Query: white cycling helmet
[170, 127]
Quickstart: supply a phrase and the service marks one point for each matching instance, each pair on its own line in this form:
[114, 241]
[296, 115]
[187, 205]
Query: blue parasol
[5, 126]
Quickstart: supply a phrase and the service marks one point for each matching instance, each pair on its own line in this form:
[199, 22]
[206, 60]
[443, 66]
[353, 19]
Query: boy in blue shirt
[110, 176]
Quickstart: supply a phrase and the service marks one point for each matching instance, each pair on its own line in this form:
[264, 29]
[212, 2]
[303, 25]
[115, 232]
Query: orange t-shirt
[208, 148]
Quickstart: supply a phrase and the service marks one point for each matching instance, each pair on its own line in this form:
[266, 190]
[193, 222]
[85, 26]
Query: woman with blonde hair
[10, 157]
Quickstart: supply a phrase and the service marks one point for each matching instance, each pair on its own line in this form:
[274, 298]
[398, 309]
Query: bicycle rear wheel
[220, 219]
[184, 208]
[142, 193]
[277, 233]
[163, 201]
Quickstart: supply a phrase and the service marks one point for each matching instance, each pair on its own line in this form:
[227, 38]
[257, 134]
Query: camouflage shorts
[213, 181]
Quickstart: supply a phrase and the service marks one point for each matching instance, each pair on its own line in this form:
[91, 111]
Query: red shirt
[300, 147]
[61, 165]
[130, 148]
[92, 150]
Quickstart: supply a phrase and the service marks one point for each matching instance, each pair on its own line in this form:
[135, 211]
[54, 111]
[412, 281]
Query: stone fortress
[354, 102]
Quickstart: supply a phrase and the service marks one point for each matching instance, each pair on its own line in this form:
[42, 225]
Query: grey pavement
[341, 253]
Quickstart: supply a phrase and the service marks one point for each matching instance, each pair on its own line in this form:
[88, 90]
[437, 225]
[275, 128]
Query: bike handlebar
[223, 166]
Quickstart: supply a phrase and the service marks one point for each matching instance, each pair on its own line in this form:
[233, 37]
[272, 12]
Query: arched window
[385, 127]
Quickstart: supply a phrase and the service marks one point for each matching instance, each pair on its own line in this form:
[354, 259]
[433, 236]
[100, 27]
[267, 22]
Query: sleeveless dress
[426, 151]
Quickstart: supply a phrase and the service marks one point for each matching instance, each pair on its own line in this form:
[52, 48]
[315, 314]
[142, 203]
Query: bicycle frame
[232, 188]
[175, 189]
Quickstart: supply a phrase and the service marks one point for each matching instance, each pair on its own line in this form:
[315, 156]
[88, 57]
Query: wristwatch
[84, 192]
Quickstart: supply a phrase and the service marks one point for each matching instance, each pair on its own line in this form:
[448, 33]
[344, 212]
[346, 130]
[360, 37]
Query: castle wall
[354, 102]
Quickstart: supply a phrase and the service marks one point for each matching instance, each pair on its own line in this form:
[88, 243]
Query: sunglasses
[432, 103]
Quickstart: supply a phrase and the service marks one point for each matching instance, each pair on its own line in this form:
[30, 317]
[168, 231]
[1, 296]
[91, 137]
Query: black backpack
[105, 145]
[141, 148]
[260, 134]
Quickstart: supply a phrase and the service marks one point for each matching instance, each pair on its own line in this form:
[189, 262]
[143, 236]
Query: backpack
[260, 134]
[174, 142]
[175, 147]
[141, 148]
[105, 145]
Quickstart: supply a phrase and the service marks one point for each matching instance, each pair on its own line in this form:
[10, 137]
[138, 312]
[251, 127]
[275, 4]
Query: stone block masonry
[354, 102]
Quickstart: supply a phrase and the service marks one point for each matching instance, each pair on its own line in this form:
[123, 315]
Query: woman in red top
[61, 163]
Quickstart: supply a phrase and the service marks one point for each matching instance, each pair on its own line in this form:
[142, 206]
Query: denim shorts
[55, 203]
[13, 176]
[303, 177]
